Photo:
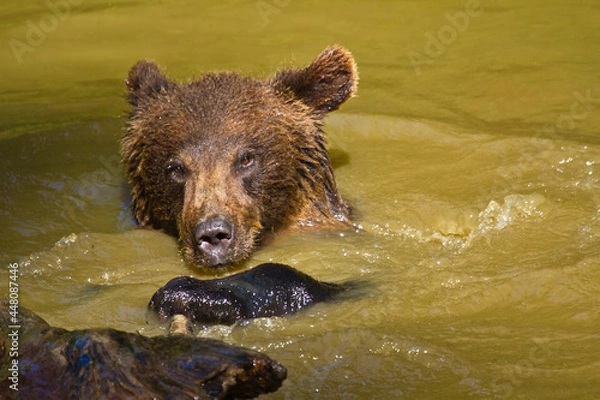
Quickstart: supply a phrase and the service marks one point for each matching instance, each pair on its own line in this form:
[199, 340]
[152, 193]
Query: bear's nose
[214, 237]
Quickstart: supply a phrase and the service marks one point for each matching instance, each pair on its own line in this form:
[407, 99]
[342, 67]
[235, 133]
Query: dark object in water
[267, 290]
[54, 363]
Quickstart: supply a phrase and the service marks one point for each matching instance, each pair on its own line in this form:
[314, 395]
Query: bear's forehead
[214, 124]
[222, 105]
[223, 99]
[225, 90]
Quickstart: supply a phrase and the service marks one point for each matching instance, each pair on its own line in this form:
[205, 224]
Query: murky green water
[471, 155]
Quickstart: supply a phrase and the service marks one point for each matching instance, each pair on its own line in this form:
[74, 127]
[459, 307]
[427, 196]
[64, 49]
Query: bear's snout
[214, 237]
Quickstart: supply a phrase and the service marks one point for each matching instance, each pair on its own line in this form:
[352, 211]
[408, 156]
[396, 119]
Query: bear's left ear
[325, 84]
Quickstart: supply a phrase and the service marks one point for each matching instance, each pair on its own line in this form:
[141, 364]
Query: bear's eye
[245, 161]
[176, 171]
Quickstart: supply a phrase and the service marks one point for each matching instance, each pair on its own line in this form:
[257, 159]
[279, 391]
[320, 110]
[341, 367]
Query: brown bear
[224, 162]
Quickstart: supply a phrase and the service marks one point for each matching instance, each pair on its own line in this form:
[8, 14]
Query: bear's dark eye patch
[176, 171]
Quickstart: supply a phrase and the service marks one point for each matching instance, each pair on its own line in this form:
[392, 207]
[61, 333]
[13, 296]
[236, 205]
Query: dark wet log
[105, 363]
[267, 290]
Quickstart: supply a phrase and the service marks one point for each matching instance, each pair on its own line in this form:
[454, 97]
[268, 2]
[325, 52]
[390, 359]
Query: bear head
[225, 161]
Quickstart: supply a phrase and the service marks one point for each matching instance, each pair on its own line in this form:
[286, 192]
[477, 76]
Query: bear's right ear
[325, 84]
[145, 80]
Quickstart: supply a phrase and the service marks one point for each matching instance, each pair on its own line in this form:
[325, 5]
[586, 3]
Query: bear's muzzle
[213, 238]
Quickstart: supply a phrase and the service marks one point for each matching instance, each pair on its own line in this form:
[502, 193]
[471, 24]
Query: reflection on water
[477, 195]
